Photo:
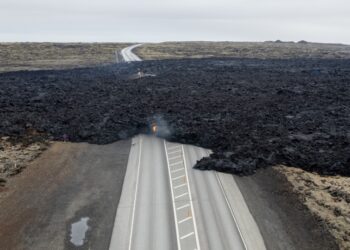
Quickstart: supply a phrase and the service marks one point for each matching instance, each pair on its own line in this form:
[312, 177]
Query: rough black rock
[252, 113]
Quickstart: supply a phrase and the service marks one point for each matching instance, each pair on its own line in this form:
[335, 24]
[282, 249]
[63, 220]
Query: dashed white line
[189, 193]
[180, 186]
[177, 151]
[182, 207]
[176, 163]
[184, 193]
[187, 235]
[174, 147]
[177, 170]
[174, 157]
[186, 219]
[181, 195]
[179, 177]
[172, 194]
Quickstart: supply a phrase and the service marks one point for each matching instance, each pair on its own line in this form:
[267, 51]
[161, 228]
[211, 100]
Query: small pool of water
[78, 231]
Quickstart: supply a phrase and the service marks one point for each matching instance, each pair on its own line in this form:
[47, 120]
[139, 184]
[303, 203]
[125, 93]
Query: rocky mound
[252, 113]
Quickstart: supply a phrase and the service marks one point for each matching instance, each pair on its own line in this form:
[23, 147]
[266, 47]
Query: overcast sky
[174, 20]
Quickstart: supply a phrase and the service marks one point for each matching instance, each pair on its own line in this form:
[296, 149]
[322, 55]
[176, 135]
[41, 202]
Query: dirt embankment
[327, 197]
[252, 113]
[284, 221]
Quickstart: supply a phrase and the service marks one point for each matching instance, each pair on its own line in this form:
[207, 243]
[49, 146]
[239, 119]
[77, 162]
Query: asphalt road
[128, 55]
[165, 204]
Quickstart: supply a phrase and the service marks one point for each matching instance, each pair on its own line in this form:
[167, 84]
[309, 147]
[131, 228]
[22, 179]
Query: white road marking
[172, 195]
[135, 198]
[179, 177]
[177, 151]
[218, 210]
[174, 157]
[194, 243]
[186, 219]
[174, 147]
[182, 207]
[181, 195]
[180, 186]
[191, 203]
[231, 210]
[176, 163]
[177, 170]
[186, 236]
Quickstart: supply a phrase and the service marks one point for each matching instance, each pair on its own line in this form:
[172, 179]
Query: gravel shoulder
[67, 183]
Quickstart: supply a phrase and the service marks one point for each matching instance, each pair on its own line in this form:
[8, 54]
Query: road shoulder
[284, 222]
[68, 182]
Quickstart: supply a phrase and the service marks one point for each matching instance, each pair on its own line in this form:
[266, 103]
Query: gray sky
[174, 20]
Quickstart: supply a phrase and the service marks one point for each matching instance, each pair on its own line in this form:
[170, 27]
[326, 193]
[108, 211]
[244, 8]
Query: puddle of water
[78, 231]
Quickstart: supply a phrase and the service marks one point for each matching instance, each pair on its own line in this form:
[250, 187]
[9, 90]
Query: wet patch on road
[78, 231]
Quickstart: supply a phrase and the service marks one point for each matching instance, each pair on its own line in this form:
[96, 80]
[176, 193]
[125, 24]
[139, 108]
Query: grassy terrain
[327, 197]
[33, 56]
[265, 50]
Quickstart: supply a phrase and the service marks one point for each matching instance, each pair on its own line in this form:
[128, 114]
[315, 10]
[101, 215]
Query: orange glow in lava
[154, 128]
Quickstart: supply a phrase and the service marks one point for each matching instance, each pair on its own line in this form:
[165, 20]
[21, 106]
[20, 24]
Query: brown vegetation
[14, 156]
[327, 197]
[265, 50]
[34, 56]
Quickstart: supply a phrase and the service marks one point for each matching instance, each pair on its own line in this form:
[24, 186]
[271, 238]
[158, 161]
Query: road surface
[165, 204]
[128, 55]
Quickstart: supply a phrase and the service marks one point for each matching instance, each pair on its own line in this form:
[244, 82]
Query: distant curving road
[128, 55]
[165, 204]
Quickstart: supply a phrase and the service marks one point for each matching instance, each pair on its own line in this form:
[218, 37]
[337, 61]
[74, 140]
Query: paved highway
[165, 204]
[128, 55]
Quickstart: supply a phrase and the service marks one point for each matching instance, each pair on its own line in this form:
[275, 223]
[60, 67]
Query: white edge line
[135, 198]
[231, 210]
[172, 195]
[189, 193]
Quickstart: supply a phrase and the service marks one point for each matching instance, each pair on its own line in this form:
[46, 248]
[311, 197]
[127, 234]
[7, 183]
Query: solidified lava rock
[252, 113]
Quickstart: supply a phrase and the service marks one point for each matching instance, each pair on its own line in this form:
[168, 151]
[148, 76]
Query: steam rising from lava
[159, 126]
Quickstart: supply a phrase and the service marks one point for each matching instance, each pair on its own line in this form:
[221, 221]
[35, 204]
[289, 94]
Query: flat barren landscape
[256, 105]
[260, 50]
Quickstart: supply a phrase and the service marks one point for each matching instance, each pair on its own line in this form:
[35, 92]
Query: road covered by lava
[252, 113]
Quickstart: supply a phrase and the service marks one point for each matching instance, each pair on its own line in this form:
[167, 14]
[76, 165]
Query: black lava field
[251, 113]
